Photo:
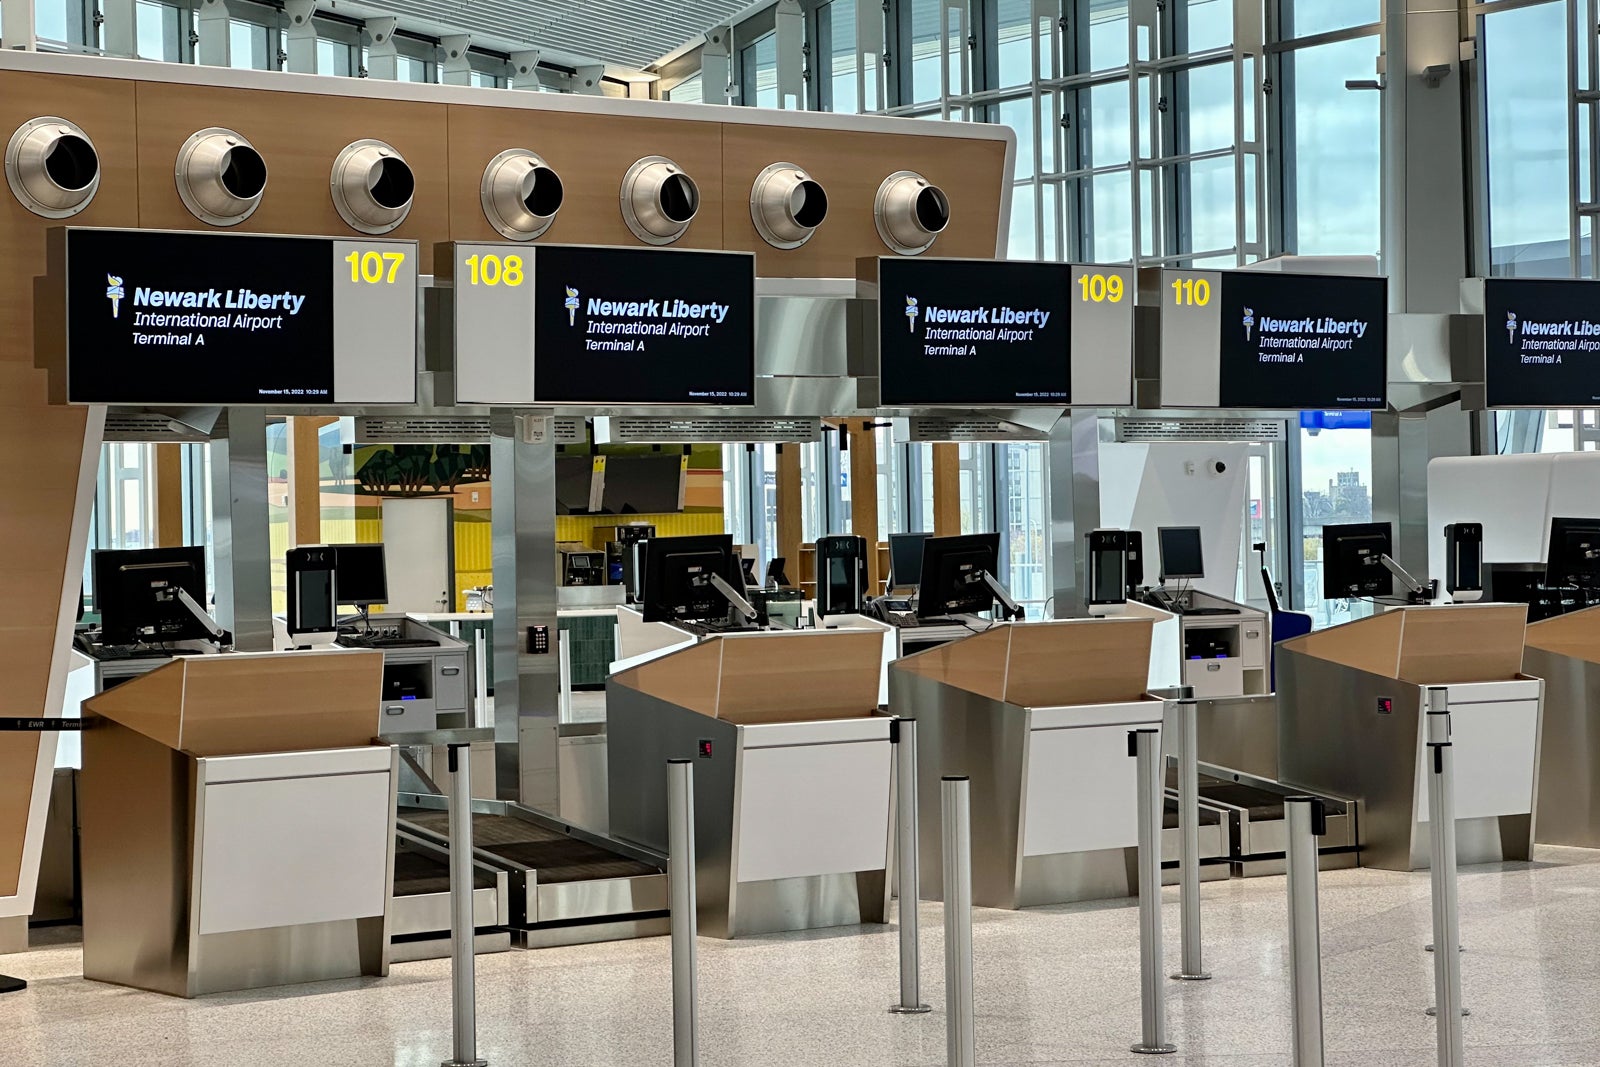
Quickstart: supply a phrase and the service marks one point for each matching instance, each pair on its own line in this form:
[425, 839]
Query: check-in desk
[1226, 654]
[1037, 715]
[237, 824]
[1565, 652]
[792, 766]
[1351, 707]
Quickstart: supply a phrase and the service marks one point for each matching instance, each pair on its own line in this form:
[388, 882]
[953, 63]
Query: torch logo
[1249, 322]
[114, 293]
[571, 304]
[911, 314]
[1511, 327]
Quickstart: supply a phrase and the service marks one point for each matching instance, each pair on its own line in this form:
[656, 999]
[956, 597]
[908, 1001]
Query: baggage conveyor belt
[419, 921]
[565, 885]
[1252, 809]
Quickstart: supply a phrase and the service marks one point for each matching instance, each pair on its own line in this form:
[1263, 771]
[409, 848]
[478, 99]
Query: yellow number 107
[369, 266]
[1099, 288]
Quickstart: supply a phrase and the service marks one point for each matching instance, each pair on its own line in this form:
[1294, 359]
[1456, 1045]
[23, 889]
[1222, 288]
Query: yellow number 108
[493, 270]
[369, 267]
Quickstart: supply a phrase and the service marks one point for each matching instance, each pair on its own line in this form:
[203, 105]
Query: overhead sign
[1541, 343]
[1000, 334]
[591, 326]
[1273, 341]
[162, 317]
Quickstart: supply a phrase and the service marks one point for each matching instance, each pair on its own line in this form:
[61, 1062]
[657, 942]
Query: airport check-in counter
[792, 768]
[1352, 701]
[237, 824]
[639, 641]
[1565, 652]
[1037, 715]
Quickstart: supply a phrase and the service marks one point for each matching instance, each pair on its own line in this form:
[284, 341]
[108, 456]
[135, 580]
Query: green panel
[592, 639]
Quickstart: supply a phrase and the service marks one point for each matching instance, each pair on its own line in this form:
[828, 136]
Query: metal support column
[1074, 472]
[383, 59]
[1442, 869]
[908, 870]
[716, 66]
[1306, 820]
[463, 935]
[526, 683]
[239, 531]
[215, 44]
[300, 38]
[1189, 831]
[1145, 746]
[456, 68]
[955, 809]
[685, 920]
[18, 26]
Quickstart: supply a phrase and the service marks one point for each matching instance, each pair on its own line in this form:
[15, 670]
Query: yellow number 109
[1100, 288]
[493, 270]
[369, 266]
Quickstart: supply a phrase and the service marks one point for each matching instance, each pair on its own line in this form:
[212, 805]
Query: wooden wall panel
[591, 155]
[790, 528]
[946, 490]
[850, 166]
[298, 135]
[105, 111]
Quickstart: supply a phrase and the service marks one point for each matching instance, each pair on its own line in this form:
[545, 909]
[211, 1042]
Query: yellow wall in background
[680, 524]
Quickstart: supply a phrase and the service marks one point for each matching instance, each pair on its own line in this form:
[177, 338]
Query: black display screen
[183, 318]
[638, 326]
[974, 333]
[1541, 342]
[1303, 341]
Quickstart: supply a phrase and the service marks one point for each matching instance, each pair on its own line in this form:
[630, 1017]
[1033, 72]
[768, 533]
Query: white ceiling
[622, 33]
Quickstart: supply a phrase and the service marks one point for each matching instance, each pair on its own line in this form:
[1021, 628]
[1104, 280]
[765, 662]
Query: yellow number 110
[369, 266]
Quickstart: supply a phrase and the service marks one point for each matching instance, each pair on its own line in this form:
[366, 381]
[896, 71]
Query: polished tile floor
[1053, 986]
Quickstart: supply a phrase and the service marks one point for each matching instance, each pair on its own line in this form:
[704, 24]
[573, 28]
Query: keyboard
[1210, 611]
[357, 641]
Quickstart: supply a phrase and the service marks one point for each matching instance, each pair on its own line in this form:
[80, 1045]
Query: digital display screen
[1298, 341]
[1541, 343]
[583, 325]
[1271, 341]
[974, 333]
[156, 317]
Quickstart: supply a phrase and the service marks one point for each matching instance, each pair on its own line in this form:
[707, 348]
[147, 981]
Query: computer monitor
[1181, 556]
[132, 589]
[677, 578]
[905, 559]
[361, 576]
[1352, 560]
[775, 573]
[1574, 555]
[952, 575]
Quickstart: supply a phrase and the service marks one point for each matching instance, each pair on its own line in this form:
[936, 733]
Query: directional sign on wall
[160, 317]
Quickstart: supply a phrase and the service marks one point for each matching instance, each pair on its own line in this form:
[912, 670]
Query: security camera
[1218, 467]
[52, 167]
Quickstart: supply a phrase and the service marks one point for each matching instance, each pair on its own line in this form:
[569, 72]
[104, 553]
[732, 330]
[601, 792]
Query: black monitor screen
[133, 590]
[1110, 584]
[677, 582]
[905, 559]
[952, 575]
[1181, 556]
[361, 575]
[1574, 554]
[1352, 560]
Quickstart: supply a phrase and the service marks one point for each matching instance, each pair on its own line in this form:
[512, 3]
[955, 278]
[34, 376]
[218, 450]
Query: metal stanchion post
[464, 1002]
[1189, 836]
[908, 867]
[1145, 745]
[954, 806]
[1306, 821]
[1442, 868]
[685, 923]
[481, 715]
